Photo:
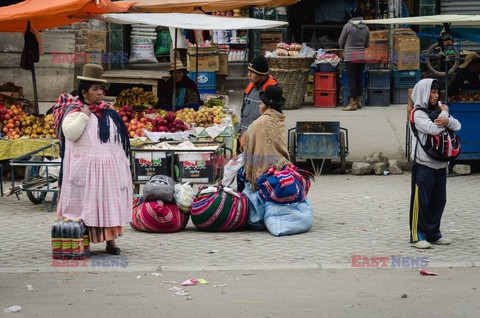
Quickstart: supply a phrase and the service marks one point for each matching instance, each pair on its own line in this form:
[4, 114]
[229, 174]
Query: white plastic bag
[184, 195]
[142, 50]
[230, 171]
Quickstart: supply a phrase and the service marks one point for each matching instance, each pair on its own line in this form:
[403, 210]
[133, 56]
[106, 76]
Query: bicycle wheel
[36, 197]
[436, 61]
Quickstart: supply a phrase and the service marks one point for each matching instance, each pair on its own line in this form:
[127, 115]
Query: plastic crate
[206, 81]
[324, 98]
[345, 78]
[325, 80]
[378, 78]
[326, 67]
[378, 97]
[406, 79]
[346, 96]
[400, 95]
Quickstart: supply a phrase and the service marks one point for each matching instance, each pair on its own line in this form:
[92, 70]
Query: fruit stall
[213, 125]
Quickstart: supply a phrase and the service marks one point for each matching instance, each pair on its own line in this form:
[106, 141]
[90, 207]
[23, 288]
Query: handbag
[288, 185]
[219, 209]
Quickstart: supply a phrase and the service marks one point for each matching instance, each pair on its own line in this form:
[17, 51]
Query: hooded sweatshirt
[426, 126]
[354, 39]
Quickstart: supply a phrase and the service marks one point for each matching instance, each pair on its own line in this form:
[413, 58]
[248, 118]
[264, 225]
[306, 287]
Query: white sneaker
[442, 241]
[422, 245]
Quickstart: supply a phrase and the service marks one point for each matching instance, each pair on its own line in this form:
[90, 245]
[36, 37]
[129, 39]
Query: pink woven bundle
[157, 216]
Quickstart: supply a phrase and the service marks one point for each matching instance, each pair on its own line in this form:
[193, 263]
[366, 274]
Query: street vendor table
[194, 165]
[140, 77]
[15, 148]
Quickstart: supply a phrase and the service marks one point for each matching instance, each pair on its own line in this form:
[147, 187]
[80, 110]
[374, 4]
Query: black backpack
[442, 147]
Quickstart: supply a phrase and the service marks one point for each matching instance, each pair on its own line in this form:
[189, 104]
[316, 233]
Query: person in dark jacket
[186, 91]
[466, 76]
[354, 39]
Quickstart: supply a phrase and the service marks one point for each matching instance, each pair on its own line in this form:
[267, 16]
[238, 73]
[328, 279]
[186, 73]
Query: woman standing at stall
[95, 177]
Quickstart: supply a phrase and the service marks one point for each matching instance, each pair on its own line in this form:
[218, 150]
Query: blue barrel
[206, 81]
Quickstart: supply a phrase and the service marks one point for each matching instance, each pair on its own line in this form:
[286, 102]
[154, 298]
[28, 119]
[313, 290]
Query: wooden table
[141, 77]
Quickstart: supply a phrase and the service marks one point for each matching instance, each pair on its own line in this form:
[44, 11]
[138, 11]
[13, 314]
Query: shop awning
[188, 6]
[454, 19]
[46, 14]
[190, 21]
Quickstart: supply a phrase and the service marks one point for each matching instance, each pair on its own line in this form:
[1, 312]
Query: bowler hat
[179, 66]
[272, 96]
[92, 73]
[472, 56]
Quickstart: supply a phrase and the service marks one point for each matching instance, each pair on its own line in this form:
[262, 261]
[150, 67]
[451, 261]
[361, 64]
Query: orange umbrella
[46, 14]
[187, 6]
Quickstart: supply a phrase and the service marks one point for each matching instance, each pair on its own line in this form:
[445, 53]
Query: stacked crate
[378, 87]
[346, 89]
[325, 89]
[401, 82]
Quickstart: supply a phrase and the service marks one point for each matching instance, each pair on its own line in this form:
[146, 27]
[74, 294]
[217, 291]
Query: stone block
[375, 157]
[361, 168]
[394, 167]
[462, 169]
[379, 168]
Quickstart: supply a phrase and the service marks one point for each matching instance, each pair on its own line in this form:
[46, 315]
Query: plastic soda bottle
[86, 239]
[77, 240]
[66, 238]
[56, 239]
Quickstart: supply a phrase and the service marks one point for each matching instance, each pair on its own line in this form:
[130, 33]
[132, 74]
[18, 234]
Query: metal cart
[311, 140]
[39, 176]
[197, 165]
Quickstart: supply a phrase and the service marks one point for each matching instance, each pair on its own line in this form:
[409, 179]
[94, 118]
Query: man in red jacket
[259, 80]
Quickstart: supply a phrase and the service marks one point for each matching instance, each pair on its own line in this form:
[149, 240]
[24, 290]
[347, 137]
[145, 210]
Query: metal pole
[390, 28]
[35, 95]
[174, 70]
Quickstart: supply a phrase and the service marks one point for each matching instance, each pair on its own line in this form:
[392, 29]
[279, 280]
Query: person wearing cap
[466, 76]
[186, 91]
[264, 142]
[95, 176]
[259, 80]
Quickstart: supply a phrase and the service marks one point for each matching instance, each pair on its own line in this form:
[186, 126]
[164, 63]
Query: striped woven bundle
[156, 216]
[219, 211]
[288, 185]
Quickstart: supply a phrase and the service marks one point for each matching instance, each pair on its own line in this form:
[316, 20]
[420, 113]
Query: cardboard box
[208, 59]
[381, 35]
[97, 41]
[406, 51]
[223, 64]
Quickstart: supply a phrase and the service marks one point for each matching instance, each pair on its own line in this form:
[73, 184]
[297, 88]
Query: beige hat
[472, 56]
[92, 73]
[179, 66]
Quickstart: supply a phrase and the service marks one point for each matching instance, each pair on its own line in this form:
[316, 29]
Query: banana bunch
[135, 97]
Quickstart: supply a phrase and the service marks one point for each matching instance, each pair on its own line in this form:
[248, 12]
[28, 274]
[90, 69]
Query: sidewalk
[353, 215]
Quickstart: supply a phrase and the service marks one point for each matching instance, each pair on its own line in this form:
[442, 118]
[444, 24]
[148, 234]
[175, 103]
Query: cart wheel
[343, 159]
[291, 147]
[436, 61]
[36, 197]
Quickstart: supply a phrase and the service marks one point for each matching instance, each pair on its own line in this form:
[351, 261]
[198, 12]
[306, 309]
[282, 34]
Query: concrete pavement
[353, 215]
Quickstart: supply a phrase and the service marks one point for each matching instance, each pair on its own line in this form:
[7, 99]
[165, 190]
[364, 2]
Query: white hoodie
[425, 126]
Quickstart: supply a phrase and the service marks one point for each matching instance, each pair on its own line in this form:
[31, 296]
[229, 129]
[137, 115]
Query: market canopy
[190, 21]
[454, 19]
[188, 6]
[46, 14]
